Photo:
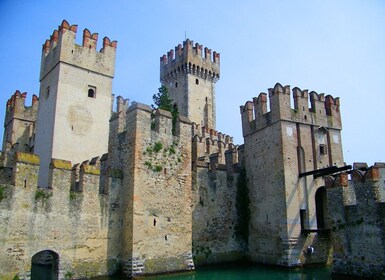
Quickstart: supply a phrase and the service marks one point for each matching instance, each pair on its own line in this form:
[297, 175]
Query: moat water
[238, 272]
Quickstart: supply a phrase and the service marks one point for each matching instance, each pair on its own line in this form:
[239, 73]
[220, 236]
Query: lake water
[244, 272]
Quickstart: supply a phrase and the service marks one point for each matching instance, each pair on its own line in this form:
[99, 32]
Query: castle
[87, 191]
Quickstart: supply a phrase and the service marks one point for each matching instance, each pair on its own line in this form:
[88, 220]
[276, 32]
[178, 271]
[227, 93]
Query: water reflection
[242, 272]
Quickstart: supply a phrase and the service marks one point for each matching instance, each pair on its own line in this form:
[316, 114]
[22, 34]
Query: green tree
[162, 100]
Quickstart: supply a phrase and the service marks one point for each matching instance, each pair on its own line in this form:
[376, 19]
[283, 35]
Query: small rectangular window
[47, 92]
[91, 92]
[323, 149]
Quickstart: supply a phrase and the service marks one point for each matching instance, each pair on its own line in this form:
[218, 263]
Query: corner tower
[190, 73]
[76, 97]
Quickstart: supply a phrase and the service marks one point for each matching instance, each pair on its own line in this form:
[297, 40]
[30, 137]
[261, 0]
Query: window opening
[302, 215]
[91, 92]
[197, 81]
[47, 92]
[320, 203]
[323, 149]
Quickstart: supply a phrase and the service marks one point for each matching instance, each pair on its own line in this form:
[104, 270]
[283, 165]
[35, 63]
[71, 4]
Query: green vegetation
[167, 153]
[68, 275]
[148, 164]
[243, 209]
[157, 168]
[198, 249]
[162, 100]
[2, 193]
[72, 195]
[341, 226]
[42, 194]
[158, 146]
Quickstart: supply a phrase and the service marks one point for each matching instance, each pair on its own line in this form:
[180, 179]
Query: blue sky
[331, 47]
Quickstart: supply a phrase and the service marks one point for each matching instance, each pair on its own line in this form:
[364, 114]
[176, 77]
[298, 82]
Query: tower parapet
[189, 73]
[19, 124]
[16, 107]
[324, 111]
[190, 59]
[62, 47]
[209, 143]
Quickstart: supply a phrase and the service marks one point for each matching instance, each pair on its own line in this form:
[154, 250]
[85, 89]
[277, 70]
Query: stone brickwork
[279, 145]
[164, 194]
[190, 73]
[71, 76]
[83, 228]
[157, 173]
[19, 124]
[358, 221]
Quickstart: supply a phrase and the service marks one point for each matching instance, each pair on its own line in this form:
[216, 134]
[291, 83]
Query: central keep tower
[190, 73]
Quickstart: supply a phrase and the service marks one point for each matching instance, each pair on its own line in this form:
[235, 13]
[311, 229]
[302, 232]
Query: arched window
[91, 92]
[197, 81]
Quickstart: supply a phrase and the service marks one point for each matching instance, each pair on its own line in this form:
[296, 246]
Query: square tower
[190, 76]
[283, 145]
[76, 98]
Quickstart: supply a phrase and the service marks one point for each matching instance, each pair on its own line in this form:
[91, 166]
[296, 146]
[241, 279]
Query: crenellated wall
[324, 111]
[168, 194]
[191, 59]
[357, 213]
[62, 47]
[190, 80]
[19, 124]
[83, 227]
[215, 178]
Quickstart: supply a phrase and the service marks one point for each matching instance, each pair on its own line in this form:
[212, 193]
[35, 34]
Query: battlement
[356, 214]
[16, 107]
[190, 59]
[63, 175]
[365, 183]
[214, 149]
[158, 120]
[324, 110]
[61, 47]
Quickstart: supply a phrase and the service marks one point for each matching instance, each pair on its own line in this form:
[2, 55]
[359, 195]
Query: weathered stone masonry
[157, 199]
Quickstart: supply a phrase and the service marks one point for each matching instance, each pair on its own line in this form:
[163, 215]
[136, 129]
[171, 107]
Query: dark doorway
[320, 205]
[45, 266]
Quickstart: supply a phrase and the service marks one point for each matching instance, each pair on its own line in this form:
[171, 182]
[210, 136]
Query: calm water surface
[235, 272]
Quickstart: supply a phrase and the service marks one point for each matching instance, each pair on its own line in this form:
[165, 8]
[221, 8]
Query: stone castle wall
[82, 227]
[165, 196]
[214, 213]
[357, 213]
[157, 180]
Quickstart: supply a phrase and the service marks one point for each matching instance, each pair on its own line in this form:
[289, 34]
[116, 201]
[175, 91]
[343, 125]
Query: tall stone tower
[283, 148]
[75, 98]
[19, 126]
[190, 74]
